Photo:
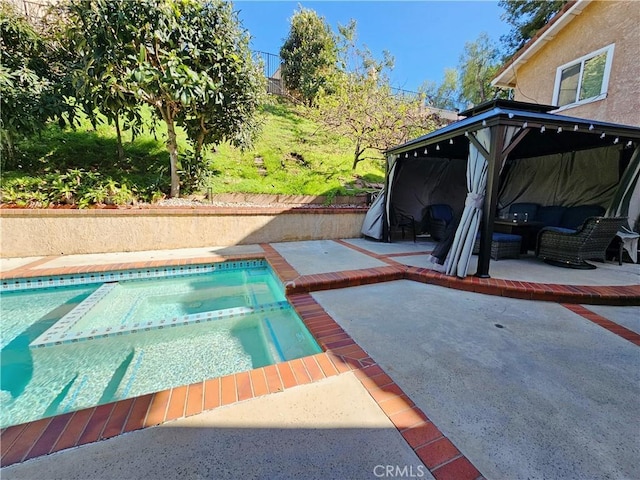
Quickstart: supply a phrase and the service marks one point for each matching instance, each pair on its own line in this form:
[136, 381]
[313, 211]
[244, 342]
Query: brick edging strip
[621, 295]
[605, 323]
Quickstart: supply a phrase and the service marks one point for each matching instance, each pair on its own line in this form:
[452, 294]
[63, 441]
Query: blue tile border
[34, 283]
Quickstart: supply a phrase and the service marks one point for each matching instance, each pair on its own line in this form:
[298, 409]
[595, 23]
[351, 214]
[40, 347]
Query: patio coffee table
[527, 230]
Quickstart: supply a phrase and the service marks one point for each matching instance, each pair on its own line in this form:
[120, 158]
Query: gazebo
[501, 149]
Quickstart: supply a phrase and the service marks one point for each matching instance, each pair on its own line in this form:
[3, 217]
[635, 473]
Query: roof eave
[507, 77]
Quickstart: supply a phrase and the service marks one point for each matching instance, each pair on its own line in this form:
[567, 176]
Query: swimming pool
[72, 342]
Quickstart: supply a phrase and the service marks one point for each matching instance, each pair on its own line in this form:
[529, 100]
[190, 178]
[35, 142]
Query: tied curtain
[626, 200]
[459, 256]
[626, 203]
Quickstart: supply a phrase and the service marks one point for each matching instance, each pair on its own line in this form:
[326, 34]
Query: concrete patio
[499, 387]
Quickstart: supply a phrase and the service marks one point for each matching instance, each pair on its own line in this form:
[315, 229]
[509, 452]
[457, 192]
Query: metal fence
[271, 66]
[34, 12]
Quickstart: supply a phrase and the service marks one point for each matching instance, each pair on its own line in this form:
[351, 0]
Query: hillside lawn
[292, 156]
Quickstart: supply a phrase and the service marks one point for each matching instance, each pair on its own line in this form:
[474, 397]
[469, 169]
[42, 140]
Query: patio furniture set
[562, 236]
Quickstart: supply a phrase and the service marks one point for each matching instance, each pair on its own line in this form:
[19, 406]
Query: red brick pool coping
[340, 354]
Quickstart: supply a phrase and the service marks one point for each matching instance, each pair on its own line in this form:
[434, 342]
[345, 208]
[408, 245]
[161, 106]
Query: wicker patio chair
[570, 248]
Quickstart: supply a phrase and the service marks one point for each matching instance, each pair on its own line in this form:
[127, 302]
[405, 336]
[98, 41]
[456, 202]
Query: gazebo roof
[549, 133]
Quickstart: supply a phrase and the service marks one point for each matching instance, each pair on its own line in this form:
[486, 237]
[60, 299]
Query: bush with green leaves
[75, 187]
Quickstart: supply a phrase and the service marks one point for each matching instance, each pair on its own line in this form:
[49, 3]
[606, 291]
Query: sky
[424, 37]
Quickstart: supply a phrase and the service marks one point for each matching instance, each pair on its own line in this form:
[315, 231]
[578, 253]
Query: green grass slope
[80, 166]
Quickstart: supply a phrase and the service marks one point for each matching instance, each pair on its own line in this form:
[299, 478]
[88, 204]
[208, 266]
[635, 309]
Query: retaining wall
[31, 232]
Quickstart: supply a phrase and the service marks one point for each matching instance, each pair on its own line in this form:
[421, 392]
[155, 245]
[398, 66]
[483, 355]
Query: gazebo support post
[490, 199]
[386, 230]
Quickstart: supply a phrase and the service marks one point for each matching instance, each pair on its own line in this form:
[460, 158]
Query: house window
[585, 79]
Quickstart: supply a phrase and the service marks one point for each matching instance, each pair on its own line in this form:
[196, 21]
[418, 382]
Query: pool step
[57, 335]
[118, 375]
[59, 330]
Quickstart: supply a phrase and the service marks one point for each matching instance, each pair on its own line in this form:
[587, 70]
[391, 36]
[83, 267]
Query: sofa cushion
[573, 217]
[506, 238]
[551, 215]
[560, 230]
[503, 237]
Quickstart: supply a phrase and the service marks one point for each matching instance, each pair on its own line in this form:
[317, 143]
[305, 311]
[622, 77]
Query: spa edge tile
[286, 374]
[74, 428]
[338, 362]
[9, 436]
[273, 379]
[212, 397]
[119, 415]
[356, 363]
[243, 386]
[300, 372]
[50, 436]
[330, 338]
[258, 382]
[326, 365]
[177, 403]
[32, 432]
[138, 413]
[93, 431]
[158, 408]
[228, 393]
[313, 369]
[195, 399]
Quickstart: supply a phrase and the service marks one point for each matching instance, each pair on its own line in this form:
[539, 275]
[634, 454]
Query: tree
[364, 108]
[97, 88]
[34, 86]
[444, 95]
[526, 17]
[478, 64]
[188, 60]
[308, 55]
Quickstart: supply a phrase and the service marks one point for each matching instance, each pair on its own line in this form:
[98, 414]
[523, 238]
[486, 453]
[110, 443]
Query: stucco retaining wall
[25, 233]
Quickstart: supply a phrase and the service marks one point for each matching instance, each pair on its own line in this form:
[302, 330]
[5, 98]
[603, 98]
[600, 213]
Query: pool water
[72, 347]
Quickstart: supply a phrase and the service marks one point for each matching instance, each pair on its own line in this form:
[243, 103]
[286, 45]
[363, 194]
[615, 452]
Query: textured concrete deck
[453, 383]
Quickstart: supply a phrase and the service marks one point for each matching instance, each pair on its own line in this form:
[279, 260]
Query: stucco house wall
[601, 23]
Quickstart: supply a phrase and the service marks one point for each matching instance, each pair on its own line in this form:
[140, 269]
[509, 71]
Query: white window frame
[581, 61]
